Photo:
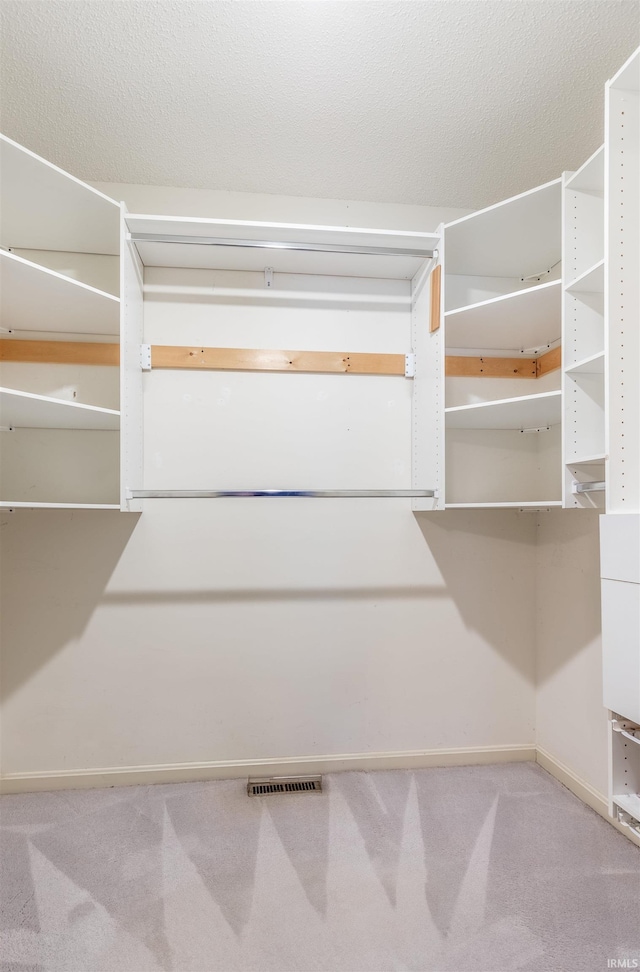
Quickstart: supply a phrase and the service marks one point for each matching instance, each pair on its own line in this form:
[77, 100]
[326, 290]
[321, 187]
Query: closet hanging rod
[279, 245]
[315, 493]
[589, 487]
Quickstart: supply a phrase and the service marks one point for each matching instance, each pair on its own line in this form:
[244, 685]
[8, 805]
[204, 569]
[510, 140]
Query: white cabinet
[59, 269]
[502, 321]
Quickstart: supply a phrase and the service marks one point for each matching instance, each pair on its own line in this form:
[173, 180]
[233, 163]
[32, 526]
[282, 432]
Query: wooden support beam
[436, 285]
[466, 367]
[249, 359]
[550, 361]
[60, 352]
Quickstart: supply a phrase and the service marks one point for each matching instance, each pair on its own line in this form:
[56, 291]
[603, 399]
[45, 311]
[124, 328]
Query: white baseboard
[583, 790]
[238, 769]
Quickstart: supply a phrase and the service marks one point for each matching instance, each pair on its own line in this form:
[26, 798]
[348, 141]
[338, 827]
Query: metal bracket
[410, 365]
[145, 357]
[268, 277]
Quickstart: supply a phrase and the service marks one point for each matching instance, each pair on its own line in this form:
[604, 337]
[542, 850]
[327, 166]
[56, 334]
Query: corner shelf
[45, 208]
[516, 414]
[37, 299]
[24, 410]
[522, 319]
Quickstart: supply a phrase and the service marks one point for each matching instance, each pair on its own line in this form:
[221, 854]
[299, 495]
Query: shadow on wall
[54, 568]
[568, 588]
[487, 559]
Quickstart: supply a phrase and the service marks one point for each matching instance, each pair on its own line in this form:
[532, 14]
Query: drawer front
[620, 547]
[621, 647]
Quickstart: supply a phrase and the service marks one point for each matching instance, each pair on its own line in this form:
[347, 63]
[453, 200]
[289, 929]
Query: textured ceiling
[438, 102]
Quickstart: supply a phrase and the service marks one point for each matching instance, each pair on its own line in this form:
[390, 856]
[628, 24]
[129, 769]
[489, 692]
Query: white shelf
[514, 238]
[45, 208]
[590, 175]
[226, 257]
[628, 77]
[595, 460]
[529, 504]
[526, 412]
[25, 410]
[592, 365]
[4, 504]
[36, 299]
[589, 282]
[629, 802]
[524, 319]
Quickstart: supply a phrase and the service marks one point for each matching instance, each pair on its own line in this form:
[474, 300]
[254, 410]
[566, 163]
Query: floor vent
[284, 784]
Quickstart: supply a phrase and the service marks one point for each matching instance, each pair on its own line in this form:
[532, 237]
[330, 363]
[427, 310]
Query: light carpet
[490, 868]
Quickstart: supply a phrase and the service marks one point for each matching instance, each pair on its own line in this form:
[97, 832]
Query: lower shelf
[629, 802]
[7, 505]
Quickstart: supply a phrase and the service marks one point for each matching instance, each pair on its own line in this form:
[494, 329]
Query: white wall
[206, 631]
[571, 723]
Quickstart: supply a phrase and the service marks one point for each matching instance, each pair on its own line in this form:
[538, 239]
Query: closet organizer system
[525, 347]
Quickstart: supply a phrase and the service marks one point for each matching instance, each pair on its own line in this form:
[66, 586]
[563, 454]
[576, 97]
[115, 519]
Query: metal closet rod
[278, 245]
[315, 493]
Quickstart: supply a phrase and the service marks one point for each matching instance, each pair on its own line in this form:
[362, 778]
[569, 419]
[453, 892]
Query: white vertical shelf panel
[622, 287]
[131, 391]
[33, 298]
[583, 392]
[427, 403]
[45, 208]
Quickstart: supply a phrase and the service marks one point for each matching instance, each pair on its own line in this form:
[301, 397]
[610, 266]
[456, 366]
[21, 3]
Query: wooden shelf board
[592, 365]
[590, 176]
[25, 410]
[35, 298]
[402, 267]
[45, 208]
[6, 504]
[524, 319]
[491, 243]
[526, 412]
[589, 282]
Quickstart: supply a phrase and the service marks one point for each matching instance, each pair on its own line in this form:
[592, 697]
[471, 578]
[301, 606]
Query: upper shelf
[24, 410]
[522, 320]
[410, 249]
[34, 298]
[515, 238]
[526, 413]
[45, 208]
[590, 175]
[628, 77]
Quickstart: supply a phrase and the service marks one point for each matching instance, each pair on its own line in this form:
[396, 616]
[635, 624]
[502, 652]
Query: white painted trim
[583, 790]
[238, 769]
